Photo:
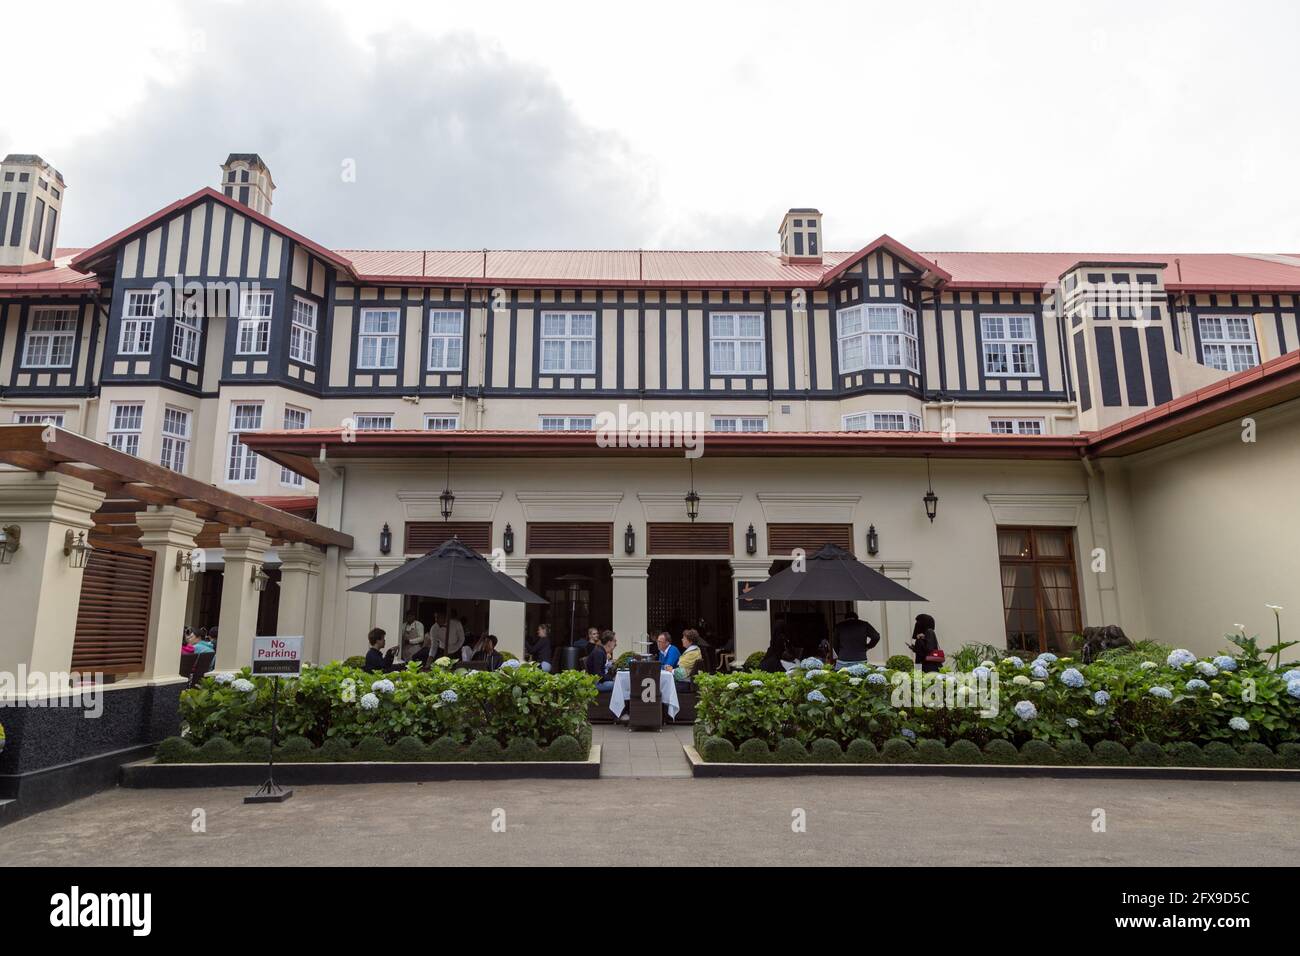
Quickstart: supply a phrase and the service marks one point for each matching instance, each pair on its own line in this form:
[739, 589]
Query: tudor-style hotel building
[1077, 417]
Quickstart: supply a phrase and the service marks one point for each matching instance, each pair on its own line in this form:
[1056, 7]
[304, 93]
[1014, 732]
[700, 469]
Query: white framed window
[1010, 345]
[139, 310]
[442, 423]
[882, 422]
[302, 331]
[51, 335]
[241, 462]
[186, 333]
[568, 423]
[736, 343]
[569, 342]
[1228, 342]
[373, 422]
[125, 420]
[295, 419]
[1016, 426]
[254, 323]
[739, 423]
[175, 438]
[877, 336]
[446, 340]
[39, 418]
[377, 338]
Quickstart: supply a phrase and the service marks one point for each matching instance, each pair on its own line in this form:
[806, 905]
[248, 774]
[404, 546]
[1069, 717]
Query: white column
[631, 601]
[245, 548]
[753, 628]
[166, 531]
[506, 618]
[300, 595]
[38, 591]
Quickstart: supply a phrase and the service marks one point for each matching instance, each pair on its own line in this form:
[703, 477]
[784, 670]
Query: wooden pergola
[131, 483]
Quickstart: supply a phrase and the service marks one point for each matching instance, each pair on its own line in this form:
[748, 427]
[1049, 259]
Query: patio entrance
[684, 593]
[579, 594]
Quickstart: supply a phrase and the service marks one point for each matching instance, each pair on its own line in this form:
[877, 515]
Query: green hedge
[345, 705]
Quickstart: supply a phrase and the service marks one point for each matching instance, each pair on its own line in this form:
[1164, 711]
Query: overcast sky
[1118, 127]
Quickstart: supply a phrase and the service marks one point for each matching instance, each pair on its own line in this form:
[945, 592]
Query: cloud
[454, 144]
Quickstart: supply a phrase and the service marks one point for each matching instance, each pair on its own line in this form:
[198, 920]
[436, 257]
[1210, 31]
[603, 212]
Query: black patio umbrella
[453, 571]
[832, 574]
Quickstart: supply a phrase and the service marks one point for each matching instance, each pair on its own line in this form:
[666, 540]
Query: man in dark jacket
[852, 639]
[538, 648]
[600, 661]
[376, 660]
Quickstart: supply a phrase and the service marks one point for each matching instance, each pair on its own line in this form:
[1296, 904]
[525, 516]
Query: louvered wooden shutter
[683, 537]
[425, 536]
[570, 537]
[113, 616]
[784, 538]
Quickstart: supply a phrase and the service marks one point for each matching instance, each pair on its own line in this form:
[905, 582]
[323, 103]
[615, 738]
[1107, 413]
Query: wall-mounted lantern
[260, 578]
[931, 499]
[447, 499]
[508, 540]
[10, 539]
[75, 548]
[185, 564]
[385, 539]
[873, 541]
[629, 540]
[692, 499]
[751, 541]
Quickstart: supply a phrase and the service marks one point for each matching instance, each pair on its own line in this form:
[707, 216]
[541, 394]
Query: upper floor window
[51, 334]
[736, 343]
[39, 418]
[877, 336]
[739, 423]
[370, 422]
[302, 332]
[377, 338]
[882, 422]
[175, 438]
[295, 419]
[569, 342]
[568, 423]
[1009, 345]
[1016, 426]
[124, 425]
[1228, 342]
[254, 323]
[241, 462]
[446, 342]
[138, 314]
[185, 339]
[442, 423]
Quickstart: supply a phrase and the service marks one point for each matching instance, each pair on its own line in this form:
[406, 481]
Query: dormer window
[877, 336]
[569, 343]
[1010, 345]
[1228, 342]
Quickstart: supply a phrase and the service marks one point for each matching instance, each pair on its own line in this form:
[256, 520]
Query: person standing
[852, 639]
[412, 635]
[925, 643]
[455, 635]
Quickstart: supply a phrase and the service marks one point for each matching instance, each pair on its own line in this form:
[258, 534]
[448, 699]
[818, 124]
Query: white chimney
[801, 236]
[245, 178]
[31, 200]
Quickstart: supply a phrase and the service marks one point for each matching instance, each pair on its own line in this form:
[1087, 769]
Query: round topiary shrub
[356, 661]
[1001, 751]
[1185, 753]
[523, 749]
[486, 748]
[565, 747]
[931, 751]
[754, 751]
[1039, 753]
[295, 749]
[372, 749]
[825, 750]
[861, 751]
[965, 751]
[218, 750]
[1074, 753]
[444, 749]
[1149, 754]
[900, 662]
[1288, 755]
[410, 750]
[790, 750]
[898, 750]
[1257, 755]
[1219, 754]
[175, 750]
[1110, 753]
[255, 749]
[753, 660]
[717, 750]
[336, 750]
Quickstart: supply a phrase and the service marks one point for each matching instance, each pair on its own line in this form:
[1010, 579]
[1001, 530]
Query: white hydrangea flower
[855, 681]
[1037, 684]
[1148, 665]
[243, 686]
[987, 664]
[369, 702]
[1239, 723]
[383, 686]
[733, 686]
[1020, 679]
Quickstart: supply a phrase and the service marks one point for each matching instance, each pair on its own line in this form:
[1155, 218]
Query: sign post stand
[274, 657]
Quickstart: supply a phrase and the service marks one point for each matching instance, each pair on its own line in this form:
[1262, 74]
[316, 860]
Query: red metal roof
[1194, 271]
[58, 276]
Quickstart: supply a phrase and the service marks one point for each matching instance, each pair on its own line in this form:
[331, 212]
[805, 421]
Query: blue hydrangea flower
[857, 670]
[815, 672]
[369, 702]
[981, 673]
[1071, 677]
[909, 734]
[1013, 661]
[1196, 684]
[756, 683]
[1047, 657]
[1293, 688]
[1291, 675]
[1239, 723]
[816, 697]
[1071, 722]
[1026, 710]
[383, 686]
[1180, 657]
[1101, 698]
[1039, 672]
[223, 678]
[449, 696]
[1225, 663]
[810, 663]
[1206, 668]
[877, 678]
[243, 686]
[512, 663]
[1164, 693]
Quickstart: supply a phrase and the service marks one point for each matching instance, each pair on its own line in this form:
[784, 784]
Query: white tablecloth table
[667, 693]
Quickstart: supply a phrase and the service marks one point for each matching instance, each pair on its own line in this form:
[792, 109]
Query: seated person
[538, 647]
[583, 644]
[188, 640]
[376, 660]
[486, 653]
[668, 652]
[469, 647]
[204, 644]
[691, 657]
[778, 650]
[600, 661]
[852, 639]
[424, 654]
